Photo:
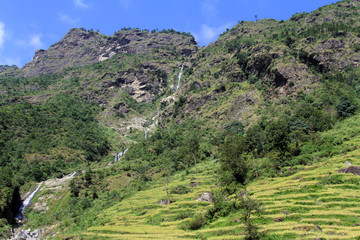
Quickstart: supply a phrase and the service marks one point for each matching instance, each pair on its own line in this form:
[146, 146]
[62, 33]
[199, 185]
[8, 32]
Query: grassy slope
[294, 204]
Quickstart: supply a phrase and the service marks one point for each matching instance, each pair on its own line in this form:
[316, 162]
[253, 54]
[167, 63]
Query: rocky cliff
[80, 47]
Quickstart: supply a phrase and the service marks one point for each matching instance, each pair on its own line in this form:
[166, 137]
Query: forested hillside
[268, 102]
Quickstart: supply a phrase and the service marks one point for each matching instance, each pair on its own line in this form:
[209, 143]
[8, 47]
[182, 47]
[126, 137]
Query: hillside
[306, 202]
[261, 120]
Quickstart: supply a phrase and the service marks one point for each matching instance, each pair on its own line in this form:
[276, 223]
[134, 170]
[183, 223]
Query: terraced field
[316, 202]
[140, 217]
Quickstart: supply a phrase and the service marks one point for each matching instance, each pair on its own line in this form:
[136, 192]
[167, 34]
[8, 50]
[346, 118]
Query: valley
[146, 135]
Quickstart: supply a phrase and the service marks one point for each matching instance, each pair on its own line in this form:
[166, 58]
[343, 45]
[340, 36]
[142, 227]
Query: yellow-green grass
[315, 208]
[315, 202]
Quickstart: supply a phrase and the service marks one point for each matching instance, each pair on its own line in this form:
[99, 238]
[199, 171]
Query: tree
[345, 108]
[233, 160]
[193, 143]
[251, 207]
[277, 136]
[255, 140]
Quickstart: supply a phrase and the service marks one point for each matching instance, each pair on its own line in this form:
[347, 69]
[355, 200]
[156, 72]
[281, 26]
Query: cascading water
[26, 202]
[73, 174]
[119, 155]
[145, 133]
[179, 78]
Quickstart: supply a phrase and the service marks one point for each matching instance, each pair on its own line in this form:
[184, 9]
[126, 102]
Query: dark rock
[279, 219]
[318, 228]
[352, 169]
[194, 184]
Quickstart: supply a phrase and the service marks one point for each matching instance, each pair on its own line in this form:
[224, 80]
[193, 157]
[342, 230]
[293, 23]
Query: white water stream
[26, 202]
[179, 78]
[118, 156]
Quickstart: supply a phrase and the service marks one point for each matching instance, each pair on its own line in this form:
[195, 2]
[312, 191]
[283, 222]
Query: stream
[179, 78]
[26, 203]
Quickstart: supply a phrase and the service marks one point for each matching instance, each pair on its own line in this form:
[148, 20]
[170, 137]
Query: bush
[222, 207]
[196, 223]
[345, 108]
[180, 189]
[236, 127]
[155, 220]
[183, 215]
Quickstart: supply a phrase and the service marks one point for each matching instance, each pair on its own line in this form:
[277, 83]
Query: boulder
[164, 202]
[205, 197]
[352, 169]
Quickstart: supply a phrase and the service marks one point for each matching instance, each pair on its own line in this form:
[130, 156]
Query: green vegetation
[262, 122]
[41, 141]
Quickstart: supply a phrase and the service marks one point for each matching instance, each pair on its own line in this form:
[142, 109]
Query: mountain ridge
[265, 101]
[80, 47]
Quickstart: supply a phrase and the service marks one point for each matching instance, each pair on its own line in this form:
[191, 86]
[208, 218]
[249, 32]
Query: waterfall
[118, 156]
[179, 78]
[73, 174]
[27, 202]
[145, 133]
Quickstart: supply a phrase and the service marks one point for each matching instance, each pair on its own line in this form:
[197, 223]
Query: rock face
[27, 234]
[352, 169]
[79, 47]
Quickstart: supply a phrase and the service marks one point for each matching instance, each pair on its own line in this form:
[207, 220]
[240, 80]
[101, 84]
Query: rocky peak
[80, 47]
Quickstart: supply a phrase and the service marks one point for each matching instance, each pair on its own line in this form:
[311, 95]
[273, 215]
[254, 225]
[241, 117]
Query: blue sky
[29, 25]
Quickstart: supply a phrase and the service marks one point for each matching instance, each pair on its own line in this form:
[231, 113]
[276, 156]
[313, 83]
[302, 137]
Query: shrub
[222, 207]
[183, 215]
[345, 108]
[235, 127]
[180, 189]
[155, 220]
[197, 222]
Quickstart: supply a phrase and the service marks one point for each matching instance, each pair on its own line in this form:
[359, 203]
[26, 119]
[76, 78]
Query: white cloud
[35, 41]
[21, 43]
[208, 34]
[69, 20]
[209, 7]
[2, 33]
[81, 4]
[125, 3]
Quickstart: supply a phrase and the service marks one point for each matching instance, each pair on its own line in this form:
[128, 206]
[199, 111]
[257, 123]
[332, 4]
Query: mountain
[80, 47]
[268, 102]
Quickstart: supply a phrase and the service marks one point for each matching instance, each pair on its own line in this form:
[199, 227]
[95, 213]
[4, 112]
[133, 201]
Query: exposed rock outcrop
[79, 47]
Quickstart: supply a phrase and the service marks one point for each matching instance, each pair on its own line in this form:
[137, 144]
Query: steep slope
[259, 101]
[306, 202]
[80, 47]
[278, 58]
